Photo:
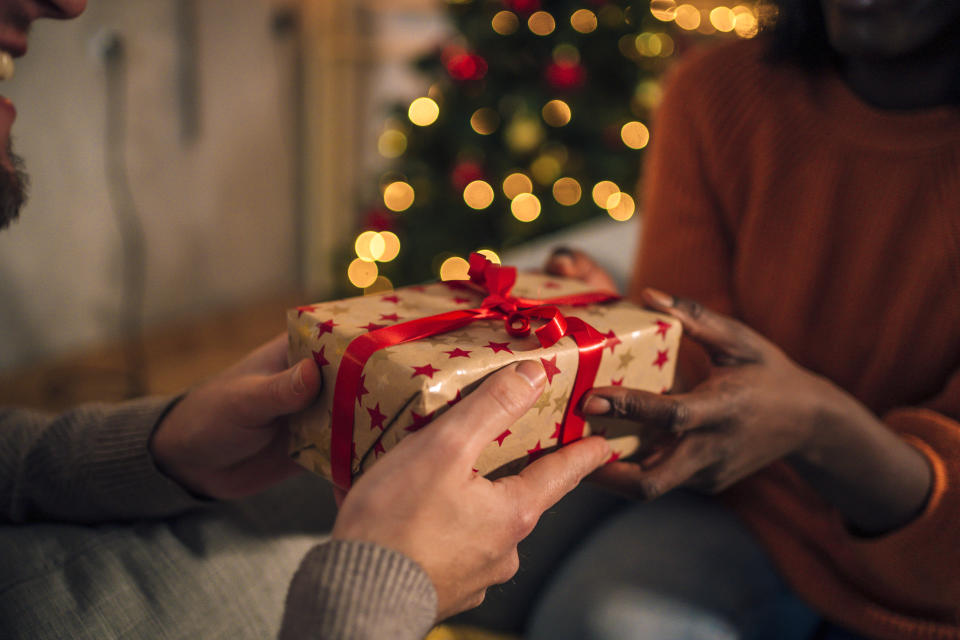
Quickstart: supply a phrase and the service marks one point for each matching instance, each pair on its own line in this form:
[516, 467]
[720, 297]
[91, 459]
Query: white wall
[217, 214]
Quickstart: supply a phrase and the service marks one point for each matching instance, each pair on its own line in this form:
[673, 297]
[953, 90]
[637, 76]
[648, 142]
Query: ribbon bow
[496, 282]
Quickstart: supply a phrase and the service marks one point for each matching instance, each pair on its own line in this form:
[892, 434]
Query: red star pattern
[419, 421]
[373, 326]
[457, 353]
[503, 436]
[391, 298]
[325, 327]
[612, 340]
[378, 449]
[550, 367]
[536, 452]
[662, 359]
[550, 284]
[318, 356]
[309, 308]
[617, 383]
[419, 288]
[390, 317]
[376, 418]
[613, 457]
[425, 370]
[459, 300]
[361, 390]
[499, 346]
[557, 426]
[457, 398]
[662, 328]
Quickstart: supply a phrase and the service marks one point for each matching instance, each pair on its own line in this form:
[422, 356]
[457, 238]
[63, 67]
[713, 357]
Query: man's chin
[13, 189]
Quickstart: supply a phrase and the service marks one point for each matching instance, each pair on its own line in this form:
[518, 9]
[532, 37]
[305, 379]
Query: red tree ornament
[464, 173]
[466, 66]
[565, 75]
[522, 6]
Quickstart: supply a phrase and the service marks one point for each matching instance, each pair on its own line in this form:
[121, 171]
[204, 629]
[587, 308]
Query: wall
[218, 212]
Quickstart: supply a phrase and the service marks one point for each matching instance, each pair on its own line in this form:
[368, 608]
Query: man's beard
[13, 188]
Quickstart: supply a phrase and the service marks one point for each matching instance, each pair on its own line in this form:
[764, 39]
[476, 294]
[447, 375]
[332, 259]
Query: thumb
[258, 399]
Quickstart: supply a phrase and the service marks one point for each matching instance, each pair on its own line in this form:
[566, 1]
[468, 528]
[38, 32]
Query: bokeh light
[525, 207]
[369, 246]
[478, 194]
[485, 121]
[635, 135]
[391, 246]
[583, 21]
[621, 206]
[556, 113]
[723, 19]
[423, 111]
[381, 285]
[541, 23]
[398, 196]
[567, 191]
[663, 10]
[490, 255]
[392, 143]
[455, 268]
[602, 192]
[687, 17]
[746, 24]
[505, 23]
[515, 184]
[362, 273]
[546, 168]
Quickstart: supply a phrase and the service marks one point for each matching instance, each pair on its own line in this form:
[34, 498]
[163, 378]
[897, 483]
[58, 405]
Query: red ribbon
[496, 282]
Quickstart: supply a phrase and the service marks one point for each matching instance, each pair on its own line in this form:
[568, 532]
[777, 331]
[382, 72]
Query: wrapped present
[392, 362]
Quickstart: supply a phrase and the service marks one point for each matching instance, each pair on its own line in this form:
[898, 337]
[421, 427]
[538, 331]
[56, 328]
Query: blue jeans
[681, 567]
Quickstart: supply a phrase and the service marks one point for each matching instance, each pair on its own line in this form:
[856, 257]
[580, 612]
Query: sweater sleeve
[350, 590]
[89, 464]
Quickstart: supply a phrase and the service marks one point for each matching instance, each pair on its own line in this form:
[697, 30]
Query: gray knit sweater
[92, 464]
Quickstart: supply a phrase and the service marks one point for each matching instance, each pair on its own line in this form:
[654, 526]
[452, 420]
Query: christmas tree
[535, 120]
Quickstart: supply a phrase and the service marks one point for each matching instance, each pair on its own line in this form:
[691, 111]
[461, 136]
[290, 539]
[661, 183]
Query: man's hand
[572, 263]
[228, 438]
[757, 406]
[424, 499]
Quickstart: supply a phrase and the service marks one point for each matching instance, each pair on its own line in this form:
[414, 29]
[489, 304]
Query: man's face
[16, 16]
[888, 29]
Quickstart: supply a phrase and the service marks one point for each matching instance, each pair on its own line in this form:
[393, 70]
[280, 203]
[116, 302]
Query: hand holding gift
[424, 499]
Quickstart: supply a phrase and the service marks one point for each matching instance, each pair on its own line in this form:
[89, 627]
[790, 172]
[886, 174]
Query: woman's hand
[757, 406]
[424, 499]
[572, 263]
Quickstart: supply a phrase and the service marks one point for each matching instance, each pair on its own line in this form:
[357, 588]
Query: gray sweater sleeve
[89, 464]
[350, 590]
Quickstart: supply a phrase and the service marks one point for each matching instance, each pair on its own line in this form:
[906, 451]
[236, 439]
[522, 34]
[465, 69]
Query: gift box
[392, 362]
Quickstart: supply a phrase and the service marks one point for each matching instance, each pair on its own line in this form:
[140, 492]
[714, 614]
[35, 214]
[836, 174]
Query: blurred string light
[567, 191]
[398, 196]
[381, 246]
[635, 135]
[556, 113]
[362, 273]
[485, 121]
[392, 143]
[546, 168]
[454, 268]
[525, 207]
[423, 111]
[515, 184]
[740, 19]
[478, 194]
[620, 206]
[602, 191]
[541, 23]
[391, 246]
[654, 45]
[505, 23]
[489, 255]
[584, 21]
[381, 285]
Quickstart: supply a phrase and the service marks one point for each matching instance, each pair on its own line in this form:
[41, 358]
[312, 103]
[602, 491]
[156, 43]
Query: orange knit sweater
[832, 228]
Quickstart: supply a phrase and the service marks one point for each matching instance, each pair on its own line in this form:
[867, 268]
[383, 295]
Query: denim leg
[681, 567]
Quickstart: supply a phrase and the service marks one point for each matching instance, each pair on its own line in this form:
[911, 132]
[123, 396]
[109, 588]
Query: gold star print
[560, 403]
[626, 359]
[337, 310]
[543, 402]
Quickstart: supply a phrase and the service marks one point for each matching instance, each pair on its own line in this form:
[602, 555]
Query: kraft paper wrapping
[405, 386]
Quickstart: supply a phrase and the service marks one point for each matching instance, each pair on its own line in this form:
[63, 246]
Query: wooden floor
[174, 357]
